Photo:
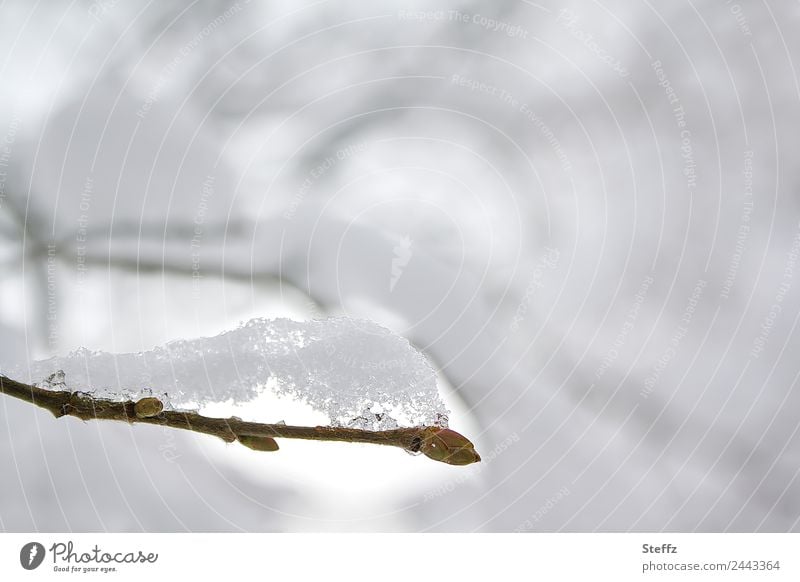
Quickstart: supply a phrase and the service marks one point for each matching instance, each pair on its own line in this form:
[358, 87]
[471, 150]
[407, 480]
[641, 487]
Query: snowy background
[585, 214]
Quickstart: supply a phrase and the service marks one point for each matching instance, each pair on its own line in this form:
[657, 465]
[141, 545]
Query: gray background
[585, 214]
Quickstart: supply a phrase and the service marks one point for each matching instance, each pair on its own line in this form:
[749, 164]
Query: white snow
[356, 372]
[334, 134]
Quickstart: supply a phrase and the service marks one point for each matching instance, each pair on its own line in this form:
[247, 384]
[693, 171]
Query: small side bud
[259, 443]
[447, 446]
[148, 407]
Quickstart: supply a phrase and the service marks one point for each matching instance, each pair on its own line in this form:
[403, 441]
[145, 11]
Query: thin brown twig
[439, 444]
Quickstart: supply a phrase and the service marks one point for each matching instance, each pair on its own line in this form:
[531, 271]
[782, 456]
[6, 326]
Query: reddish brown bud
[447, 446]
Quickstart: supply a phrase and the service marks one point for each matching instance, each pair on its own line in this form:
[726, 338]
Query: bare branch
[439, 444]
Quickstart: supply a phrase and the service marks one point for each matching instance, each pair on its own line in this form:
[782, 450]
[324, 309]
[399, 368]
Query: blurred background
[585, 214]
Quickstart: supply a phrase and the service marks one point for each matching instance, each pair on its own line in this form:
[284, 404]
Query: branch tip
[440, 444]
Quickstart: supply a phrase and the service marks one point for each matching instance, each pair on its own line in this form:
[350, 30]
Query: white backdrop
[585, 214]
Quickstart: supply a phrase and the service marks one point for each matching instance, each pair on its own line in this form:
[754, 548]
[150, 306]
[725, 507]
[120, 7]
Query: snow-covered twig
[439, 444]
